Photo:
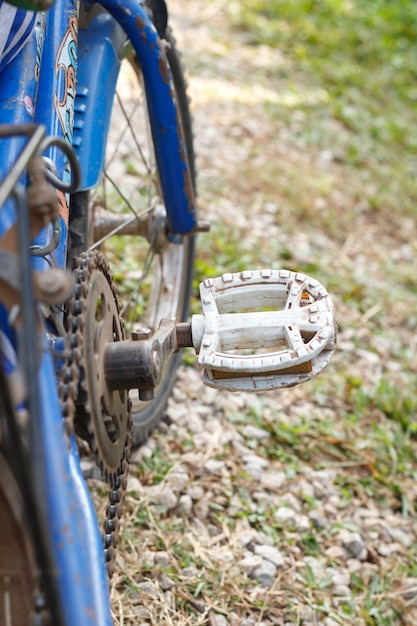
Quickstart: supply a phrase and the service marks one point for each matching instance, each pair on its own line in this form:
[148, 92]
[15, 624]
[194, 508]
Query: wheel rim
[147, 267]
[129, 223]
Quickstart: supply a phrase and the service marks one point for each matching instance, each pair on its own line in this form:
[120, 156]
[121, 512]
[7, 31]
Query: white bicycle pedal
[263, 329]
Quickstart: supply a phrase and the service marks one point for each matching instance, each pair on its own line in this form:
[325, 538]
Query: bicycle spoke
[133, 133]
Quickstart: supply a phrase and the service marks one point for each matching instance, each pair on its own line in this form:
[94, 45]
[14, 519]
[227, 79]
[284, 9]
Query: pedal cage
[263, 329]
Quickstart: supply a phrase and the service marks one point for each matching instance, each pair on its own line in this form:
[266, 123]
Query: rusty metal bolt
[54, 285]
[49, 282]
[146, 394]
[141, 334]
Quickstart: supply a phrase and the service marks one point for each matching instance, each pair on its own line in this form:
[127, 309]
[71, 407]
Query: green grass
[351, 69]
[362, 55]
[336, 162]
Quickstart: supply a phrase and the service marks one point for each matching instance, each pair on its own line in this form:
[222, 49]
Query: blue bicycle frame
[45, 86]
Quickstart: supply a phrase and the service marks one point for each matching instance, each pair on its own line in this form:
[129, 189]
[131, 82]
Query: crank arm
[139, 363]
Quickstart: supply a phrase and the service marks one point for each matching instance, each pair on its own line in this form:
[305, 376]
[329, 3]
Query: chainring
[102, 415]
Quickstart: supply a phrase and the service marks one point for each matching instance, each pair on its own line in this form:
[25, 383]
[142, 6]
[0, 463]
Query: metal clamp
[263, 329]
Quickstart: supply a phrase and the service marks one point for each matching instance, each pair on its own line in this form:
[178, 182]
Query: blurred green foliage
[364, 54]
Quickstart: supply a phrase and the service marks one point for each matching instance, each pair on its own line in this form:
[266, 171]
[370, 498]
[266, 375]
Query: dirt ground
[288, 478]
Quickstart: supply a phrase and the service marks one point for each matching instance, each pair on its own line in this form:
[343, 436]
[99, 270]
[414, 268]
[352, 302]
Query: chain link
[69, 388]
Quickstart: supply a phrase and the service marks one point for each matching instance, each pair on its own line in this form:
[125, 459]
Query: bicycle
[67, 368]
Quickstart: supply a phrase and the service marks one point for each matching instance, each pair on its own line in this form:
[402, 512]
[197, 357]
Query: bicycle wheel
[125, 217]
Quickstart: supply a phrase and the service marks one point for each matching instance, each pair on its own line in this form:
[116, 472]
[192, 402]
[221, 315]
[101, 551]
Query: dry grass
[278, 178]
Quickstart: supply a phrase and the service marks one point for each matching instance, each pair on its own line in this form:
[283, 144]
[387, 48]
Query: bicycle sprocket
[100, 415]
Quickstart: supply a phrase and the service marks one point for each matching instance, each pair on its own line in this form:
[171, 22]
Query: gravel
[350, 540]
[228, 521]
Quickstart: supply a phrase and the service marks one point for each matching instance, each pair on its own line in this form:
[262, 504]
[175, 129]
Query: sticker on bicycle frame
[29, 105]
[65, 69]
[40, 40]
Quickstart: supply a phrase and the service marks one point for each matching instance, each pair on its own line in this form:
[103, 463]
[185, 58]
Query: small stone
[254, 470]
[316, 565]
[307, 615]
[222, 556]
[134, 485]
[199, 525]
[318, 520]
[342, 591]
[165, 582]
[265, 574]
[220, 620]
[87, 468]
[306, 490]
[189, 572]
[195, 492]
[273, 480]
[185, 505]
[200, 510]
[195, 424]
[227, 436]
[169, 599]
[148, 588]
[354, 566]
[166, 497]
[262, 497]
[353, 544]
[339, 577]
[178, 481]
[330, 510]
[253, 432]
[290, 500]
[234, 619]
[214, 466]
[193, 462]
[335, 553]
[250, 563]
[302, 523]
[401, 536]
[146, 451]
[247, 537]
[162, 557]
[321, 490]
[263, 540]
[285, 515]
[269, 553]
[325, 476]
[253, 459]
[384, 549]
[334, 501]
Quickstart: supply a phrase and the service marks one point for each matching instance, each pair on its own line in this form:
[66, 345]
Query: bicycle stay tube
[18, 94]
[71, 525]
[55, 103]
[171, 154]
[81, 556]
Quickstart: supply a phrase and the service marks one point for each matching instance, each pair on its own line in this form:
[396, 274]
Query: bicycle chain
[72, 384]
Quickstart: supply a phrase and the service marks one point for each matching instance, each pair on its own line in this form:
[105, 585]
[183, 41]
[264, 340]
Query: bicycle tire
[171, 297]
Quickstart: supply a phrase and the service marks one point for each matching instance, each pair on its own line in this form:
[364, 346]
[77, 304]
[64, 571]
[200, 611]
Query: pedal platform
[263, 329]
